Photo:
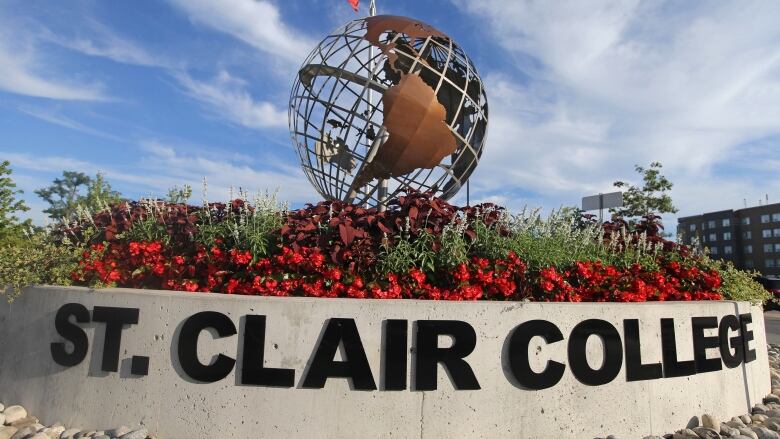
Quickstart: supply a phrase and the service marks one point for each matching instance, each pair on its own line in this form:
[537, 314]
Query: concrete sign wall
[194, 365]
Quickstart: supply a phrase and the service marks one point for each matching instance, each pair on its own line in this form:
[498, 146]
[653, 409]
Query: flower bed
[421, 248]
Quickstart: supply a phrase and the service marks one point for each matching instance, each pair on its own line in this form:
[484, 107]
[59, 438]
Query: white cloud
[95, 39]
[21, 72]
[229, 99]
[608, 84]
[256, 22]
[53, 117]
[224, 174]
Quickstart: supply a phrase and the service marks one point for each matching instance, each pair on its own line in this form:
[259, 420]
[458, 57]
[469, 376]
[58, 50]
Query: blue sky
[156, 94]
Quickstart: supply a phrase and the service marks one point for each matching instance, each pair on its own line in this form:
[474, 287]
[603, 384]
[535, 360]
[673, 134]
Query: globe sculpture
[386, 103]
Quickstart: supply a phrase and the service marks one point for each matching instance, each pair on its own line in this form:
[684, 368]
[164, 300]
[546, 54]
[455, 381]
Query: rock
[611, 436]
[2, 407]
[69, 433]
[710, 422]
[25, 422]
[137, 434]
[765, 433]
[54, 429]
[102, 436]
[23, 432]
[84, 434]
[706, 433]
[746, 419]
[39, 436]
[2, 419]
[652, 437]
[686, 434]
[747, 432]
[771, 398]
[7, 432]
[118, 432]
[735, 422]
[772, 424]
[759, 418]
[774, 413]
[727, 430]
[760, 409]
[14, 413]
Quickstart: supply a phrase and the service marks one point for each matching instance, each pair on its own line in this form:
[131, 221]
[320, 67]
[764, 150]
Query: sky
[157, 94]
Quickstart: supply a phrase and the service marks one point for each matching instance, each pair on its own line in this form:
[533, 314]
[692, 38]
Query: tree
[64, 195]
[10, 227]
[649, 199]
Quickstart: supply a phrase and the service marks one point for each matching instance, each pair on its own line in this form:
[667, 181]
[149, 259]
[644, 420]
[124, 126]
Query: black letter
[747, 336]
[354, 367]
[635, 370]
[252, 371]
[613, 352]
[429, 354]
[702, 343]
[115, 319]
[72, 333]
[395, 355]
[731, 361]
[672, 367]
[188, 346]
[518, 355]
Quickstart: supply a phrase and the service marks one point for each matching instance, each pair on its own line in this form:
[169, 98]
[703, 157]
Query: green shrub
[36, 261]
[739, 285]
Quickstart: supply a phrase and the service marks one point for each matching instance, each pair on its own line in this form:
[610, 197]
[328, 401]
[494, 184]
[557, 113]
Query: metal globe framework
[337, 106]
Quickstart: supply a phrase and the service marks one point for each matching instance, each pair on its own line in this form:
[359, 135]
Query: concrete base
[173, 405]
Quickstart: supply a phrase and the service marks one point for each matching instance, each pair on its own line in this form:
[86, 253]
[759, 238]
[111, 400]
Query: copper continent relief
[414, 118]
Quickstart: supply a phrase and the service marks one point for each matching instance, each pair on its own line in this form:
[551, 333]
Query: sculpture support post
[383, 183]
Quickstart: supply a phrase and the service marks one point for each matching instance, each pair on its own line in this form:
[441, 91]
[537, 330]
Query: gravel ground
[762, 423]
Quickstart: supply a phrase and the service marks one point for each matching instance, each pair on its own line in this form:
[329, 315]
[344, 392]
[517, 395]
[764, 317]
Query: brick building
[749, 237]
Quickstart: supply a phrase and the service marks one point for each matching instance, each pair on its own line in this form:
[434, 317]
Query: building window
[726, 222]
[776, 217]
[692, 227]
[767, 248]
[746, 221]
[776, 233]
[777, 248]
[704, 226]
[713, 237]
[713, 250]
[727, 236]
[711, 224]
[764, 219]
[769, 263]
[748, 249]
[766, 233]
[747, 234]
[727, 250]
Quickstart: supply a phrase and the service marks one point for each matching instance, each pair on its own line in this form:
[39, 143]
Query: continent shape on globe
[413, 116]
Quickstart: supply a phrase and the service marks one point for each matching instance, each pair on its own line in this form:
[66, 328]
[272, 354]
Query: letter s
[72, 333]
